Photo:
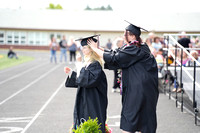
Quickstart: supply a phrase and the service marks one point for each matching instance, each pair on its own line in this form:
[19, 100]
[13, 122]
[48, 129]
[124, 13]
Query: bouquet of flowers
[89, 126]
[108, 130]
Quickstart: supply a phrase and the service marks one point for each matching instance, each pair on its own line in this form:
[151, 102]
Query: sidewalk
[172, 120]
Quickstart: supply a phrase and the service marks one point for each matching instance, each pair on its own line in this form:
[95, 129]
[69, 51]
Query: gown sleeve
[71, 80]
[89, 77]
[122, 58]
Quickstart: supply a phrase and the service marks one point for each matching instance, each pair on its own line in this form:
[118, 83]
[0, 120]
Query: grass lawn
[5, 62]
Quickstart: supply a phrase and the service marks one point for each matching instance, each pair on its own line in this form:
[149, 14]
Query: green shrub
[89, 126]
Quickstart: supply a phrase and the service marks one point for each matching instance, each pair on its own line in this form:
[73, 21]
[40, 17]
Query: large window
[2, 34]
[44, 38]
[56, 35]
[23, 38]
[31, 38]
[16, 37]
[27, 37]
[38, 38]
[10, 37]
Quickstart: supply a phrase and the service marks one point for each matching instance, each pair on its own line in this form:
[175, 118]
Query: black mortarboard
[134, 29]
[84, 40]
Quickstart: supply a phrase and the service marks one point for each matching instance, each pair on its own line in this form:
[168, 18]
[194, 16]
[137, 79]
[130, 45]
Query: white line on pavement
[15, 119]
[21, 73]
[43, 107]
[39, 78]
[10, 129]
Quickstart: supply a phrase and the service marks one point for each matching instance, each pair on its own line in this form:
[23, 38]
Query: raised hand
[67, 70]
[92, 44]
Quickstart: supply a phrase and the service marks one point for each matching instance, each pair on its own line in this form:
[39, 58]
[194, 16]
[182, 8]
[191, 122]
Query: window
[57, 36]
[23, 38]
[16, 37]
[10, 37]
[31, 37]
[44, 38]
[1, 37]
[37, 38]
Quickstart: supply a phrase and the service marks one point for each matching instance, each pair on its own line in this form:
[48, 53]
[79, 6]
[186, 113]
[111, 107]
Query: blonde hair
[93, 57]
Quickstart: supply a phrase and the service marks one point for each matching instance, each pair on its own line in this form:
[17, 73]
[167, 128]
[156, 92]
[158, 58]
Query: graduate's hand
[67, 70]
[78, 58]
[92, 44]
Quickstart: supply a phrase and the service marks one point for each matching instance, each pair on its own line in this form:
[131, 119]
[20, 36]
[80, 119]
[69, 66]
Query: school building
[33, 29]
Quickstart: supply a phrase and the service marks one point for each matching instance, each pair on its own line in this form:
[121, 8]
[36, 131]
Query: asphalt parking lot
[33, 99]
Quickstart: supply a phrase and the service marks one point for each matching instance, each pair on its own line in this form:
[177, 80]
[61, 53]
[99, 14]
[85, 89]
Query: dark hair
[137, 39]
[154, 40]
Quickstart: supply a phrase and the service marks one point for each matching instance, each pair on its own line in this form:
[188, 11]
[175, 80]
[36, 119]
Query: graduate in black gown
[91, 98]
[139, 81]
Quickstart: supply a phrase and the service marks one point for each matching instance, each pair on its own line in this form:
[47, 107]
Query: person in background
[197, 45]
[117, 44]
[53, 47]
[194, 53]
[184, 41]
[152, 49]
[109, 44]
[151, 36]
[156, 43]
[11, 53]
[63, 49]
[185, 58]
[72, 49]
[160, 59]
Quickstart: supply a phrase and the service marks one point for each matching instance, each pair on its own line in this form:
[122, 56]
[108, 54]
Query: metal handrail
[184, 49]
[169, 52]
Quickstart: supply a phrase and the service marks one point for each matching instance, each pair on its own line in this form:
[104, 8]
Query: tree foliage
[52, 6]
[108, 8]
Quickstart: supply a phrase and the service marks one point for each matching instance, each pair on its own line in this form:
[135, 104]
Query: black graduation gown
[140, 87]
[91, 99]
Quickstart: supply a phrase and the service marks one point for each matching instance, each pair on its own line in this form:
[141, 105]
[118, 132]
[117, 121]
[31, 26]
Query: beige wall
[105, 35]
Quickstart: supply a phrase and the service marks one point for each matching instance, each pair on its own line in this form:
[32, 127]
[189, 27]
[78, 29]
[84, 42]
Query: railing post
[175, 78]
[168, 76]
[181, 83]
[194, 93]
[165, 87]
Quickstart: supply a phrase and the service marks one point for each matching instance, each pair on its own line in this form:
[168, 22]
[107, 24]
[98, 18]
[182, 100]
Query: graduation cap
[134, 29]
[84, 40]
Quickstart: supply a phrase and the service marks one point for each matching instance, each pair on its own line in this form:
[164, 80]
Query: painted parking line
[30, 84]
[15, 119]
[10, 129]
[22, 73]
[43, 107]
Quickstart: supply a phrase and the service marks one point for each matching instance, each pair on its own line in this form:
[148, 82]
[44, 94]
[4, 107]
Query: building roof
[96, 20]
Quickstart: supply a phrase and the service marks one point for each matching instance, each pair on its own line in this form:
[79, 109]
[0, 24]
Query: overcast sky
[123, 6]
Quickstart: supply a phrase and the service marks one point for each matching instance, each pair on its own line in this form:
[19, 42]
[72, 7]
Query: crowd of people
[71, 45]
[157, 45]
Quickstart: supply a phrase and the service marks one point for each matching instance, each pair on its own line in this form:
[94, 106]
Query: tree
[88, 8]
[58, 7]
[52, 6]
[109, 7]
[99, 8]
[102, 8]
